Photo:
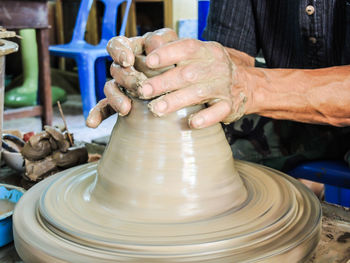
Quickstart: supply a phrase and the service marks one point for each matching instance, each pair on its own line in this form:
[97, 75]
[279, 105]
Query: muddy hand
[123, 51]
[204, 73]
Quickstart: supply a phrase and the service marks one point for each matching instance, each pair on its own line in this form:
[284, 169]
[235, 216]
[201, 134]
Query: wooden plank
[19, 14]
[22, 112]
[91, 25]
[130, 29]
[60, 32]
[45, 97]
[168, 13]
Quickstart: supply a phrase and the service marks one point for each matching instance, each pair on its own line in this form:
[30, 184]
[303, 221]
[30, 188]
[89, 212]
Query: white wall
[184, 9]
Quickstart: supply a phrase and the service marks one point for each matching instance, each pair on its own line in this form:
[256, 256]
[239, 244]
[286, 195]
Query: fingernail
[90, 122]
[161, 106]
[125, 108]
[197, 121]
[119, 105]
[146, 90]
[153, 60]
[122, 58]
[122, 111]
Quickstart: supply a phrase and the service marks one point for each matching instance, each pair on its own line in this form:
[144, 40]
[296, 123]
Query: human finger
[116, 98]
[171, 102]
[101, 111]
[140, 65]
[129, 78]
[174, 79]
[176, 52]
[137, 45]
[158, 38]
[123, 49]
[209, 116]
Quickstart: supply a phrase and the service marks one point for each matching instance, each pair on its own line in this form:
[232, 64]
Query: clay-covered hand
[123, 51]
[204, 73]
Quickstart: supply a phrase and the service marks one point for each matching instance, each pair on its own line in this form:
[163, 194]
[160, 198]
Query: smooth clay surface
[6, 206]
[165, 193]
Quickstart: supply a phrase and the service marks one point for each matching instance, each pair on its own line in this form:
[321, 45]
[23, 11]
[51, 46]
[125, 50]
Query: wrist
[245, 91]
[257, 84]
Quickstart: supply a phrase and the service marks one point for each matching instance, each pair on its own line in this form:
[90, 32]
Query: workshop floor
[72, 110]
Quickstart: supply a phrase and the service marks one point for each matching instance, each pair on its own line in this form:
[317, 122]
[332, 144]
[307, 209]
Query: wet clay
[165, 193]
[50, 151]
[6, 206]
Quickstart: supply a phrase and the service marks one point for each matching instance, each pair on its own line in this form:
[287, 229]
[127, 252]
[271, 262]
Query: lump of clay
[56, 162]
[49, 152]
[60, 140]
[74, 156]
[39, 169]
[38, 147]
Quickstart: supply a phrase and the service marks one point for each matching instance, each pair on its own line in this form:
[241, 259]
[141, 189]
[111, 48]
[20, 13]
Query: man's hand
[204, 73]
[224, 78]
[123, 51]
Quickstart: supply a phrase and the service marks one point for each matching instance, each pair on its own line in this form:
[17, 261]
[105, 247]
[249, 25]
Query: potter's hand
[123, 51]
[204, 73]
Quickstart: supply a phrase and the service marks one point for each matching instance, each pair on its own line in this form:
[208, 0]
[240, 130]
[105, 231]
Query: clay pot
[165, 193]
[159, 170]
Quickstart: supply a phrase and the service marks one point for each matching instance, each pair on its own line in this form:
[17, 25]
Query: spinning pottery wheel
[165, 193]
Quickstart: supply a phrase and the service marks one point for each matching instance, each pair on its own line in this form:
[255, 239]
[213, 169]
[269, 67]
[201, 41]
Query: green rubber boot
[26, 95]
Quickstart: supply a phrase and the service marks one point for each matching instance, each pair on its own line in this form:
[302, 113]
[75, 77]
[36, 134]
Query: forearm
[312, 96]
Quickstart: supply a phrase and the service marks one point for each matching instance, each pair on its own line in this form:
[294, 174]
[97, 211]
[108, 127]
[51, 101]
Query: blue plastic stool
[337, 195]
[90, 58]
[334, 174]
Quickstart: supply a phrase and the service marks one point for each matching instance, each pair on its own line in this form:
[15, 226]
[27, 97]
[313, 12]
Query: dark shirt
[290, 33]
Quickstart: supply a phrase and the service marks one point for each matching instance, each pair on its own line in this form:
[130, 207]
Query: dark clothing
[289, 36]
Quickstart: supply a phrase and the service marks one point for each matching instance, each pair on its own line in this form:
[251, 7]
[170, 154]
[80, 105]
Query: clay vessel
[165, 193]
[159, 170]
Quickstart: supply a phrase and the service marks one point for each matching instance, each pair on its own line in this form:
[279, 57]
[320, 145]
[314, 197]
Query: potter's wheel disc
[279, 219]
